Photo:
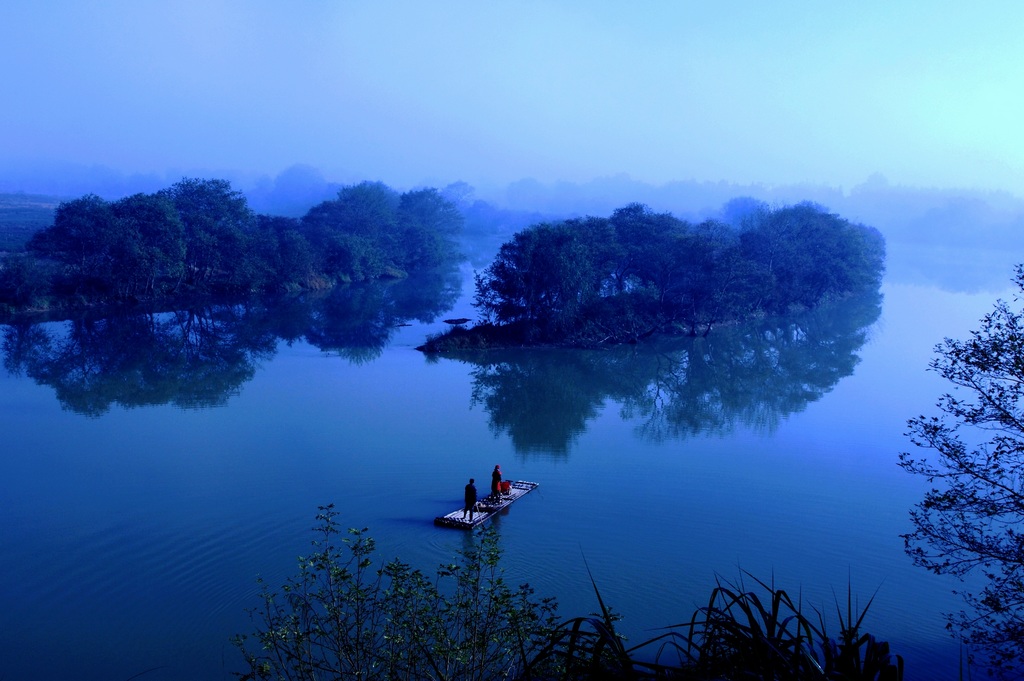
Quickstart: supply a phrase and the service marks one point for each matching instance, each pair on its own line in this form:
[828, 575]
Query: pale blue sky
[925, 93]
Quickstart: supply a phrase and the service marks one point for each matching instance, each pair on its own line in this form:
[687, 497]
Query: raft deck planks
[486, 507]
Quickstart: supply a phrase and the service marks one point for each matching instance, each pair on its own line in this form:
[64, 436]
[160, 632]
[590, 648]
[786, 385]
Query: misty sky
[925, 93]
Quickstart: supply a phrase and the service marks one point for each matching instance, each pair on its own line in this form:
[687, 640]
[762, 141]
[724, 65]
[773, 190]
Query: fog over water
[902, 116]
[889, 115]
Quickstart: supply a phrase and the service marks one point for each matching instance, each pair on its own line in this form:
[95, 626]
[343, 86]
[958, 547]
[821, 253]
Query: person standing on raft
[470, 500]
[496, 482]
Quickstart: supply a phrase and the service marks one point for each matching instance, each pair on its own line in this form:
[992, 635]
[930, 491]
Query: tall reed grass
[742, 633]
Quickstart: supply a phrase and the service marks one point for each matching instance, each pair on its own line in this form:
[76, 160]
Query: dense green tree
[286, 253]
[368, 209]
[200, 237]
[370, 230]
[83, 237]
[126, 248]
[806, 254]
[715, 284]
[545, 276]
[356, 233]
[648, 246]
[504, 291]
[428, 226]
[629, 226]
[151, 246]
[218, 225]
[587, 281]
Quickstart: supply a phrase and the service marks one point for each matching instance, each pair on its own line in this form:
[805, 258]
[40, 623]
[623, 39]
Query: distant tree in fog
[293, 192]
[199, 236]
[371, 230]
[808, 254]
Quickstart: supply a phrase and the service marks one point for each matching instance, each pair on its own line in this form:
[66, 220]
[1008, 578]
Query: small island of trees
[590, 281]
[199, 237]
[578, 282]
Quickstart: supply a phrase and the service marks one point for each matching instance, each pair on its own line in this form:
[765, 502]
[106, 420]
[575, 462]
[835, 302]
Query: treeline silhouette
[200, 237]
[590, 281]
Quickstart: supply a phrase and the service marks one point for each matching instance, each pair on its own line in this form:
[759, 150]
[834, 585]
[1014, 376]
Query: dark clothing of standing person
[496, 481]
[470, 499]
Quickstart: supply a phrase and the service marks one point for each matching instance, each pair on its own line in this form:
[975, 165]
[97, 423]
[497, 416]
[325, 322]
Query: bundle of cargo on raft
[488, 506]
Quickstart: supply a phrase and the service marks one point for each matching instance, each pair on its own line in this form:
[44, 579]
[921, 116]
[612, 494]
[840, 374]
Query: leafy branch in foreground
[342, 618]
[972, 520]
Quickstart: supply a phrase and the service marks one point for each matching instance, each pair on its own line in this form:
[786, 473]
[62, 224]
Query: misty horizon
[897, 118]
[411, 94]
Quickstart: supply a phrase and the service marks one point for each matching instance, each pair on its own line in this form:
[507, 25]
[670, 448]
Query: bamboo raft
[486, 507]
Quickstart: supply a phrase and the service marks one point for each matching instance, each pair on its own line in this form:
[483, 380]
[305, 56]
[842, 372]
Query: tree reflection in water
[200, 357]
[754, 375]
[543, 399]
[191, 358]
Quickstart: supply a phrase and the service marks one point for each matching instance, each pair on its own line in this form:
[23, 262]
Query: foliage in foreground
[740, 634]
[342, 618]
[972, 521]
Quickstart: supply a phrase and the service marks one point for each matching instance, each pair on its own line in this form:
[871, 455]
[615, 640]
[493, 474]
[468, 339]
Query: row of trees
[619, 278]
[200, 236]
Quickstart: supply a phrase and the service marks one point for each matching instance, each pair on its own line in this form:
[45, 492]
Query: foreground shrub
[341, 617]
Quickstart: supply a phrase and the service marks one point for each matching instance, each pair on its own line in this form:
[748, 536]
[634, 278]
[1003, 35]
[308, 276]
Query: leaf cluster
[343, 616]
[971, 522]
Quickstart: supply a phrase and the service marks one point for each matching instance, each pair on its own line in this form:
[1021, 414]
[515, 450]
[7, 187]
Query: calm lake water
[156, 466]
